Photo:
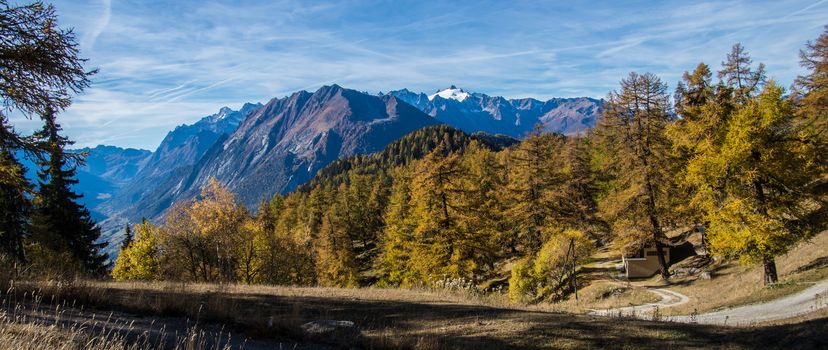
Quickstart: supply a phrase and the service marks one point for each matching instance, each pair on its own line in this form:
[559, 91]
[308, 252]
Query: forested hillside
[741, 157]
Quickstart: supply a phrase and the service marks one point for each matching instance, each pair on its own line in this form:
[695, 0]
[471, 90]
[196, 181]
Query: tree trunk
[657, 234]
[770, 270]
[662, 262]
[652, 213]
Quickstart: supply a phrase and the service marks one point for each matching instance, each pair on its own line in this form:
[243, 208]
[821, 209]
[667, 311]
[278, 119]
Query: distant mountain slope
[284, 143]
[105, 170]
[472, 112]
[114, 164]
[177, 153]
[187, 143]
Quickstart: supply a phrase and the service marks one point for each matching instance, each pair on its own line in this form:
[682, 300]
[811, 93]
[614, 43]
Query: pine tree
[15, 206]
[632, 127]
[127, 236]
[59, 222]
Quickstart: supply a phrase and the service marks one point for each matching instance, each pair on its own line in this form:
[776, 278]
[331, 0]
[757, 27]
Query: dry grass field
[260, 317]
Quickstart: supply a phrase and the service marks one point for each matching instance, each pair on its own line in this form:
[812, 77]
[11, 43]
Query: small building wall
[645, 266]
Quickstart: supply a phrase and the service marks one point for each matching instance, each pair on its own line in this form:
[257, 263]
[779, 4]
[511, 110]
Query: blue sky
[163, 63]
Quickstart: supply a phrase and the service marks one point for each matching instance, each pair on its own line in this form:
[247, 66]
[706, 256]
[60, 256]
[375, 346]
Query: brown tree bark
[769, 264]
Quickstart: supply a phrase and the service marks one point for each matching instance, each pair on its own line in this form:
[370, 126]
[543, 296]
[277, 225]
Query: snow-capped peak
[223, 112]
[451, 93]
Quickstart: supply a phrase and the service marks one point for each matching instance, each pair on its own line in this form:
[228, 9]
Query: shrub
[544, 275]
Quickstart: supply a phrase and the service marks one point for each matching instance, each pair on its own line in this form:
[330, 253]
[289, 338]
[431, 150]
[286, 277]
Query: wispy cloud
[166, 63]
[97, 27]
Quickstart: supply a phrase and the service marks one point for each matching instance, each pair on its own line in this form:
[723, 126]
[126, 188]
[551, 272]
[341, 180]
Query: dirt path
[806, 301]
[668, 299]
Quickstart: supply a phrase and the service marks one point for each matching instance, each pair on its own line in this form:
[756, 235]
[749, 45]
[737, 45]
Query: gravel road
[806, 301]
[669, 298]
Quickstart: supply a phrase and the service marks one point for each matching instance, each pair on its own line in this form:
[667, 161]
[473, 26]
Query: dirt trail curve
[806, 301]
[669, 298]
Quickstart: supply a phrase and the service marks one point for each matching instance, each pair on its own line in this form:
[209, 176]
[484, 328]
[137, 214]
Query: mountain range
[472, 112]
[260, 150]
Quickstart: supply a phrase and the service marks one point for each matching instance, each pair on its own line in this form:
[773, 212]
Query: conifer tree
[41, 69]
[751, 184]
[695, 129]
[481, 208]
[811, 97]
[269, 245]
[15, 206]
[738, 75]
[127, 236]
[578, 208]
[750, 159]
[633, 126]
[335, 253]
[440, 248]
[59, 222]
[694, 92]
[533, 177]
[299, 212]
[355, 209]
[398, 233]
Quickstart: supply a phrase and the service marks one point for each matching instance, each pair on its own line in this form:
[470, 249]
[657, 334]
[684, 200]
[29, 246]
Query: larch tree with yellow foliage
[398, 233]
[140, 259]
[533, 187]
[638, 201]
[752, 183]
[750, 166]
[439, 247]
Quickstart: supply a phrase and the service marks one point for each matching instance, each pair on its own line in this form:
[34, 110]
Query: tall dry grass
[53, 316]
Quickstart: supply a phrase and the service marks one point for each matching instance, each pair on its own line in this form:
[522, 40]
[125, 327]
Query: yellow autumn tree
[637, 200]
[335, 261]
[751, 181]
[139, 260]
[547, 275]
[397, 237]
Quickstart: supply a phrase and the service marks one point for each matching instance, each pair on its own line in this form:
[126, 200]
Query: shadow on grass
[432, 325]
